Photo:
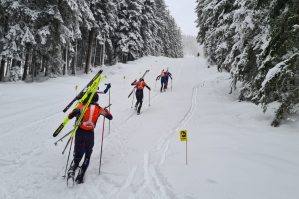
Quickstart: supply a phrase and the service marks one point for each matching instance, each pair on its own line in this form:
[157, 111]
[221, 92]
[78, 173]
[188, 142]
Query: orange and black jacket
[91, 115]
[140, 85]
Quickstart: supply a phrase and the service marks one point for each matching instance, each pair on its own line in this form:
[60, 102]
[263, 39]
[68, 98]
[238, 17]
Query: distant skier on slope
[167, 76]
[139, 93]
[84, 138]
[163, 80]
[164, 75]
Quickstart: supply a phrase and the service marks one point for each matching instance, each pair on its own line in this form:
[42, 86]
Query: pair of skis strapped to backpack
[88, 91]
[135, 86]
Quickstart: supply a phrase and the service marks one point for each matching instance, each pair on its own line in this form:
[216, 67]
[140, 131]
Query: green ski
[91, 89]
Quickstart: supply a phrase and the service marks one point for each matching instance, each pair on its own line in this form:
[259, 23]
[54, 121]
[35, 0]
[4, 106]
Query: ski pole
[70, 139]
[155, 84]
[109, 110]
[171, 84]
[68, 157]
[62, 138]
[133, 99]
[149, 97]
[102, 146]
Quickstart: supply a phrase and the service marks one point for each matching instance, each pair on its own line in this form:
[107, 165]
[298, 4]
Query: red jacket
[91, 115]
[140, 85]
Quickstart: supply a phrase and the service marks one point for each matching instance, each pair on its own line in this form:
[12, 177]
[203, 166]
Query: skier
[167, 76]
[163, 80]
[84, 138]
[139, 92]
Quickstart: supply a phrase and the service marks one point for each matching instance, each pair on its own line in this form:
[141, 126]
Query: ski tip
[100, 71]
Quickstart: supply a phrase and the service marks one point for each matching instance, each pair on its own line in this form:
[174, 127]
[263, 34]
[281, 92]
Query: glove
[107, 88]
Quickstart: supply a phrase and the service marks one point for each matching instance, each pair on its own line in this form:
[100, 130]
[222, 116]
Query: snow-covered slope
[232, 150]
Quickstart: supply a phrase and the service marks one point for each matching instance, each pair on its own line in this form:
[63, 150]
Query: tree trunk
[95, 53]
[46, 65]
[8, 67]
[76, 60]
[64, 72]
[103, 54]
[26, 67]
[42, 66]
[67, 59]
[33, 65]
[89, 52]
[99, 58]
[81, 54]
[2, 69]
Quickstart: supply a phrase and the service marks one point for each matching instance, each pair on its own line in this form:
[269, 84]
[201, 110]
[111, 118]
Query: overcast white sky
[184, 13]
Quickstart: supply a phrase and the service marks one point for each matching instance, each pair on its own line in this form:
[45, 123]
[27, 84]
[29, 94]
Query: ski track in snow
[153, 182]
[164, 143]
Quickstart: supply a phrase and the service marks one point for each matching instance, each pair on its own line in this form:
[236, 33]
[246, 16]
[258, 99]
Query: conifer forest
[58, 37]
[257, 41]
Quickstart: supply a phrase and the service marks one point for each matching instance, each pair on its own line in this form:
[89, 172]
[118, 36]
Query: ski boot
[80, 176]
[70, 177]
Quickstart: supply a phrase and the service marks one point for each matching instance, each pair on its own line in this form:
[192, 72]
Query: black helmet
[95, 98]
[141, 79]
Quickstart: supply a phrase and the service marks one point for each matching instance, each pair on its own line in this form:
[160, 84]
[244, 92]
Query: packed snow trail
[233, 152]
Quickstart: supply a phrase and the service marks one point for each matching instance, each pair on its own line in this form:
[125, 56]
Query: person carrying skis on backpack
[84, 138]
[167, 75]
[163, 80]
[139, 93]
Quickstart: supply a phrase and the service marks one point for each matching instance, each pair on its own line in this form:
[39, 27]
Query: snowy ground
[233, 153]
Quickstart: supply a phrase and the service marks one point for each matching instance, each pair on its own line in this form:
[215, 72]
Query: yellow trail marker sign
[183, 135]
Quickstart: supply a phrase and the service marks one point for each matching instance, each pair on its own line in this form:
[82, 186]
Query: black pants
[163, 83]
[139, 98]
[84, 142]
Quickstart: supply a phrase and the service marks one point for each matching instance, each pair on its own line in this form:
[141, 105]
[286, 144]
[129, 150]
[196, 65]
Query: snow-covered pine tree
[168, 32]
[174, 37]
[160, 13]
[255, 41]
[122, 32]
[50, 37]
[278, 75]
[149, 28]
[105, 13]
[135, 43]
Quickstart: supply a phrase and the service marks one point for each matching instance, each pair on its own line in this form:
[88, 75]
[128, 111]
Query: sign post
[184, 138]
